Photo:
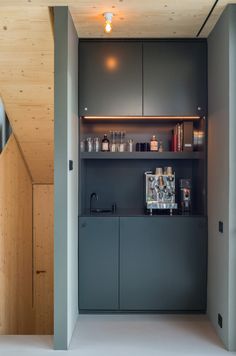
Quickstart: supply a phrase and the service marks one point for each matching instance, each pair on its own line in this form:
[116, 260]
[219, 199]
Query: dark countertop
[137, 213]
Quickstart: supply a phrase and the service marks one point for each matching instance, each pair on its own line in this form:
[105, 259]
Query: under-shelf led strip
[142, 117]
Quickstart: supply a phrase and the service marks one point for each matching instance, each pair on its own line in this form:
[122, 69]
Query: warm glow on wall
[108, 20]
[111, 63]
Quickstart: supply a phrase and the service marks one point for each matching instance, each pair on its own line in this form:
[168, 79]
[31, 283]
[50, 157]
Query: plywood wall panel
[27, 53]
[26, 82]
[43, 258]
[16, 312]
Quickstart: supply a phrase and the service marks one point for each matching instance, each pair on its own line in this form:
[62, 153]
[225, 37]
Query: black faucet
[93, 195]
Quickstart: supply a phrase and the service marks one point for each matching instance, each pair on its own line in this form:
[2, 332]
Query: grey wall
[221, 175]
[232, 180]
[66, 182]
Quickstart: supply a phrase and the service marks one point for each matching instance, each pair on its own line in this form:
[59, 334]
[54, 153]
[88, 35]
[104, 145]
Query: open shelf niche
[118, 177]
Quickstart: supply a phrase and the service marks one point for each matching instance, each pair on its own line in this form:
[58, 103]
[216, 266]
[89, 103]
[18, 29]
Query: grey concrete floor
[126, 335]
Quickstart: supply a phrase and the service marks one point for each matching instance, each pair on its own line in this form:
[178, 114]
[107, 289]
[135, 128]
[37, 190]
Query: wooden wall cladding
[27, 84]
[43, 258]
[16, 299]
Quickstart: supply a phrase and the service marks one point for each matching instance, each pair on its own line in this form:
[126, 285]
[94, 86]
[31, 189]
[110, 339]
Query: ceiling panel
[132, 18]
[136, 18]
[148, 18]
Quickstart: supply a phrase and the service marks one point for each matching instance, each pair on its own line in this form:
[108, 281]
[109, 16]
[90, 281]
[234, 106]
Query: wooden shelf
[141, 155]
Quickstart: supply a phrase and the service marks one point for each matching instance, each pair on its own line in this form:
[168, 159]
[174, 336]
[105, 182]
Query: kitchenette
[144, 174]
[142, 164]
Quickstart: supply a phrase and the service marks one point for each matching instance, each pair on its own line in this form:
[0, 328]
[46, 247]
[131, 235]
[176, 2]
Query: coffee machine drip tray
[155, 205]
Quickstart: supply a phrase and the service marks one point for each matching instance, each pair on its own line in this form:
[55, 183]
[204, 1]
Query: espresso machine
[160, 190]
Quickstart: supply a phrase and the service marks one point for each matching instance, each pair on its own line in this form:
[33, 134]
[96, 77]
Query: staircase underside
[27, 84]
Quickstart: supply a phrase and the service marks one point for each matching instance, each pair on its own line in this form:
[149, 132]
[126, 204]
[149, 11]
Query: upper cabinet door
[174, 78]
[110, 78]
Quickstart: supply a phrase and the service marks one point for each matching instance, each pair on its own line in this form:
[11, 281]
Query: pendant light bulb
[108, 20]
[108, 27]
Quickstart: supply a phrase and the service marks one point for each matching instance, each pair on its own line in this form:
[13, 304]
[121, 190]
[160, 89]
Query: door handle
[38, 272]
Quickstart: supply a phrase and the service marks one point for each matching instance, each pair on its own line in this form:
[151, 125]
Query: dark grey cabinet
[174, 78]
[150, 78]
[110, 78]
[98, 263]
[163, 263]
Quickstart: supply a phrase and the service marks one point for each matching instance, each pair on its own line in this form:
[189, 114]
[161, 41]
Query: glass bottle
[130, 145]
[154, 144]
[96, 144]
[89, 144]
[161, 147]
[105, 144]
[82, 146]
[122, 143]
[113, 141]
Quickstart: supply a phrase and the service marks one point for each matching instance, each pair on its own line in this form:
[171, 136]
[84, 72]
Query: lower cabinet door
[163, 263]
[98, 263]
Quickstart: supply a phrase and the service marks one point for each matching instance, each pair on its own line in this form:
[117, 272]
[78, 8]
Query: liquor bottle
[154, 144]
[105, 144]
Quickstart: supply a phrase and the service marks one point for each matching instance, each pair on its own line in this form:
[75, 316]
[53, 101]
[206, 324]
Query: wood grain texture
[142, 19]
[16, 313]
[136, 18]
[26, 84]
[26, 55]
[43, 258]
